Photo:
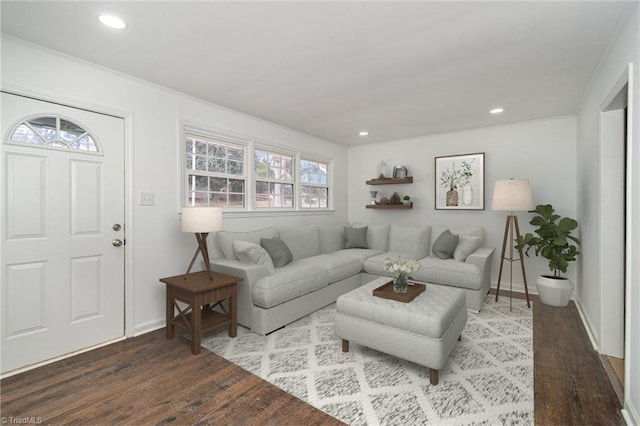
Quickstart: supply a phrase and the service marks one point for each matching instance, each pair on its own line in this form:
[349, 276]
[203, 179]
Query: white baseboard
[630, 414]
[588, 326]
[148, 327]
[517, 288]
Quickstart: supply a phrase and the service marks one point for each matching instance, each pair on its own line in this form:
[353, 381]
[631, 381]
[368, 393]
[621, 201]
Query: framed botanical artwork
[459, 181]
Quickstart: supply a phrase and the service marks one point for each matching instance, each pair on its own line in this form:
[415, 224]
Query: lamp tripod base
[510, 224]
[202, 249]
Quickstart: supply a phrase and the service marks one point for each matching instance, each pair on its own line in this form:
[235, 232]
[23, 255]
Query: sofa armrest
[482, 259]
[250, 274]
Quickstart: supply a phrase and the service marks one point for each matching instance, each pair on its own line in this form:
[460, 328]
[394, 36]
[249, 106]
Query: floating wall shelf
[390, 181]
[390, 206]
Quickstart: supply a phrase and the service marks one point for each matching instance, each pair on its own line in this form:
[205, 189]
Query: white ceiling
[330, 69]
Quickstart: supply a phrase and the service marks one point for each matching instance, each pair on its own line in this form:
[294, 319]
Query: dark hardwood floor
[151, 380]
[571, 385]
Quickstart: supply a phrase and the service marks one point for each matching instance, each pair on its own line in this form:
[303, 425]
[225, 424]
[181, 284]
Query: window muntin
[314, 186]
[274, 172]
[53, 132]
[215, 172]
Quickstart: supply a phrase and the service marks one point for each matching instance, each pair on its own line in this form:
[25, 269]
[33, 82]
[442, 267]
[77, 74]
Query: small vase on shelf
[400, 284]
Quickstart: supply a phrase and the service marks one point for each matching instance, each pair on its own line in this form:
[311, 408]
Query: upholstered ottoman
[423, 331]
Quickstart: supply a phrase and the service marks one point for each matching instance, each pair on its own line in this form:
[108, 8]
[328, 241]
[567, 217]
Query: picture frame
[400, 172]
[459, 182]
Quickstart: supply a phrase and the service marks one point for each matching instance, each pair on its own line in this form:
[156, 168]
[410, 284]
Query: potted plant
[406, 200]
[553, 241]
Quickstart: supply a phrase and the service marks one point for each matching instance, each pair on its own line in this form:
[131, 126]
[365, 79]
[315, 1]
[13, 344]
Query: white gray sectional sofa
[327, 261]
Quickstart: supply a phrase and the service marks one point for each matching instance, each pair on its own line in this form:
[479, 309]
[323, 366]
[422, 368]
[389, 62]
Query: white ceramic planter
[554, 291]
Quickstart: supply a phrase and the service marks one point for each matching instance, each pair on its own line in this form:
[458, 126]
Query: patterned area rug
[488, 379]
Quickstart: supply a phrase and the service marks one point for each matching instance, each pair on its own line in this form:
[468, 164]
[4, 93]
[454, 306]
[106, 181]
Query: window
[53, 132]
[314, 186]
[215, 172]
[274, 179]
[239, 174]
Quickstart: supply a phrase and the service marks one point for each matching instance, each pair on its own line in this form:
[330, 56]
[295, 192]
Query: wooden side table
[201, 294]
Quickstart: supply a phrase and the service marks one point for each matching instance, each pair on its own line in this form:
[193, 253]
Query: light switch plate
[147, 198]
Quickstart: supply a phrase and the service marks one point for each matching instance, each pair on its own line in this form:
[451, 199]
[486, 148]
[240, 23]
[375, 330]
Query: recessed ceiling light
[363, 133]
[112, 21]
[496, 110]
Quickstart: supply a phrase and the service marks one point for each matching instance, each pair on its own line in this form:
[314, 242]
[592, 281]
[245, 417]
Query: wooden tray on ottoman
[386, 292]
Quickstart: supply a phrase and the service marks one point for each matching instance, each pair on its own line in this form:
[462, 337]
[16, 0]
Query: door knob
[116, 242]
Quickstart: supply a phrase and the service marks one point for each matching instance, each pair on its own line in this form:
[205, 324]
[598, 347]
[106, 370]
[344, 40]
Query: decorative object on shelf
[401, 269]
[406, 200]
[373, 197]
[459, 182]
[512, 195]
[384, 201]
[201, 221]
[553, 241]
[400, 172]
[395, 199]
[382, 171]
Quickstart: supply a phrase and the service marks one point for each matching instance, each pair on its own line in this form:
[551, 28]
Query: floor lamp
[201, 221]
[512, 195]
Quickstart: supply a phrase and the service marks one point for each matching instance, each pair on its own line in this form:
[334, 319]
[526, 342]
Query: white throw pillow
[252, 253]
[466, 245]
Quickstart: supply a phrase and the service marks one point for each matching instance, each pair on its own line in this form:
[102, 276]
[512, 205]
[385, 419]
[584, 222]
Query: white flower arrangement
[399, 267]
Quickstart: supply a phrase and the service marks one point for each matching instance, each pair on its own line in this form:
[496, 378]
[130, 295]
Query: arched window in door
[53, 132]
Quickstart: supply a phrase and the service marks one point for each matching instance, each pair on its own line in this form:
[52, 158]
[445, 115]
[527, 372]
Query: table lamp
[512, 195]
[201, 221]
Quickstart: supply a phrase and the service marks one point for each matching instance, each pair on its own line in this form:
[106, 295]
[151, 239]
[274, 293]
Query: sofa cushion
[302, 241]
[466, 245]
[449, 272]
[331, 237]
[445, 244]
[356, 237]
[339, 267]
[414, 241]
[278, 250]
[358, 253]
[378, 237]
[252, 253]
[294, 280]
[225, 239]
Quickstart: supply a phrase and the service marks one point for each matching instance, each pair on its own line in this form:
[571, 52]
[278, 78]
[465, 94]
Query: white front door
[62, 284]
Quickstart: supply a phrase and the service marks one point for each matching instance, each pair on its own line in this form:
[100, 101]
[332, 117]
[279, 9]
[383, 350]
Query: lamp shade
[201, 219]
[513, 195]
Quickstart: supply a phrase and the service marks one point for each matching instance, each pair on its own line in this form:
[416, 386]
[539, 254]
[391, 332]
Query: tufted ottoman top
[430, 314]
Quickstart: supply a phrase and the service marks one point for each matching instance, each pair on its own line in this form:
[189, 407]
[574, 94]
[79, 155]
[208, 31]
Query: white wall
[622, 52]
[155, 245]
[542, 151]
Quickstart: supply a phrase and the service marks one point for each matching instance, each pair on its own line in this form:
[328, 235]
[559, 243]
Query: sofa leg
[345, 345]
[433, 376]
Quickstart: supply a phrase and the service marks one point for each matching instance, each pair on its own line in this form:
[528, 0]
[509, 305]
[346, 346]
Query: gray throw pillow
[356, 237]
[445, 245]
[278, 250]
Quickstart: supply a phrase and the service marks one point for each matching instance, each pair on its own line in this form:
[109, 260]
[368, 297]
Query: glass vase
[400, 284]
